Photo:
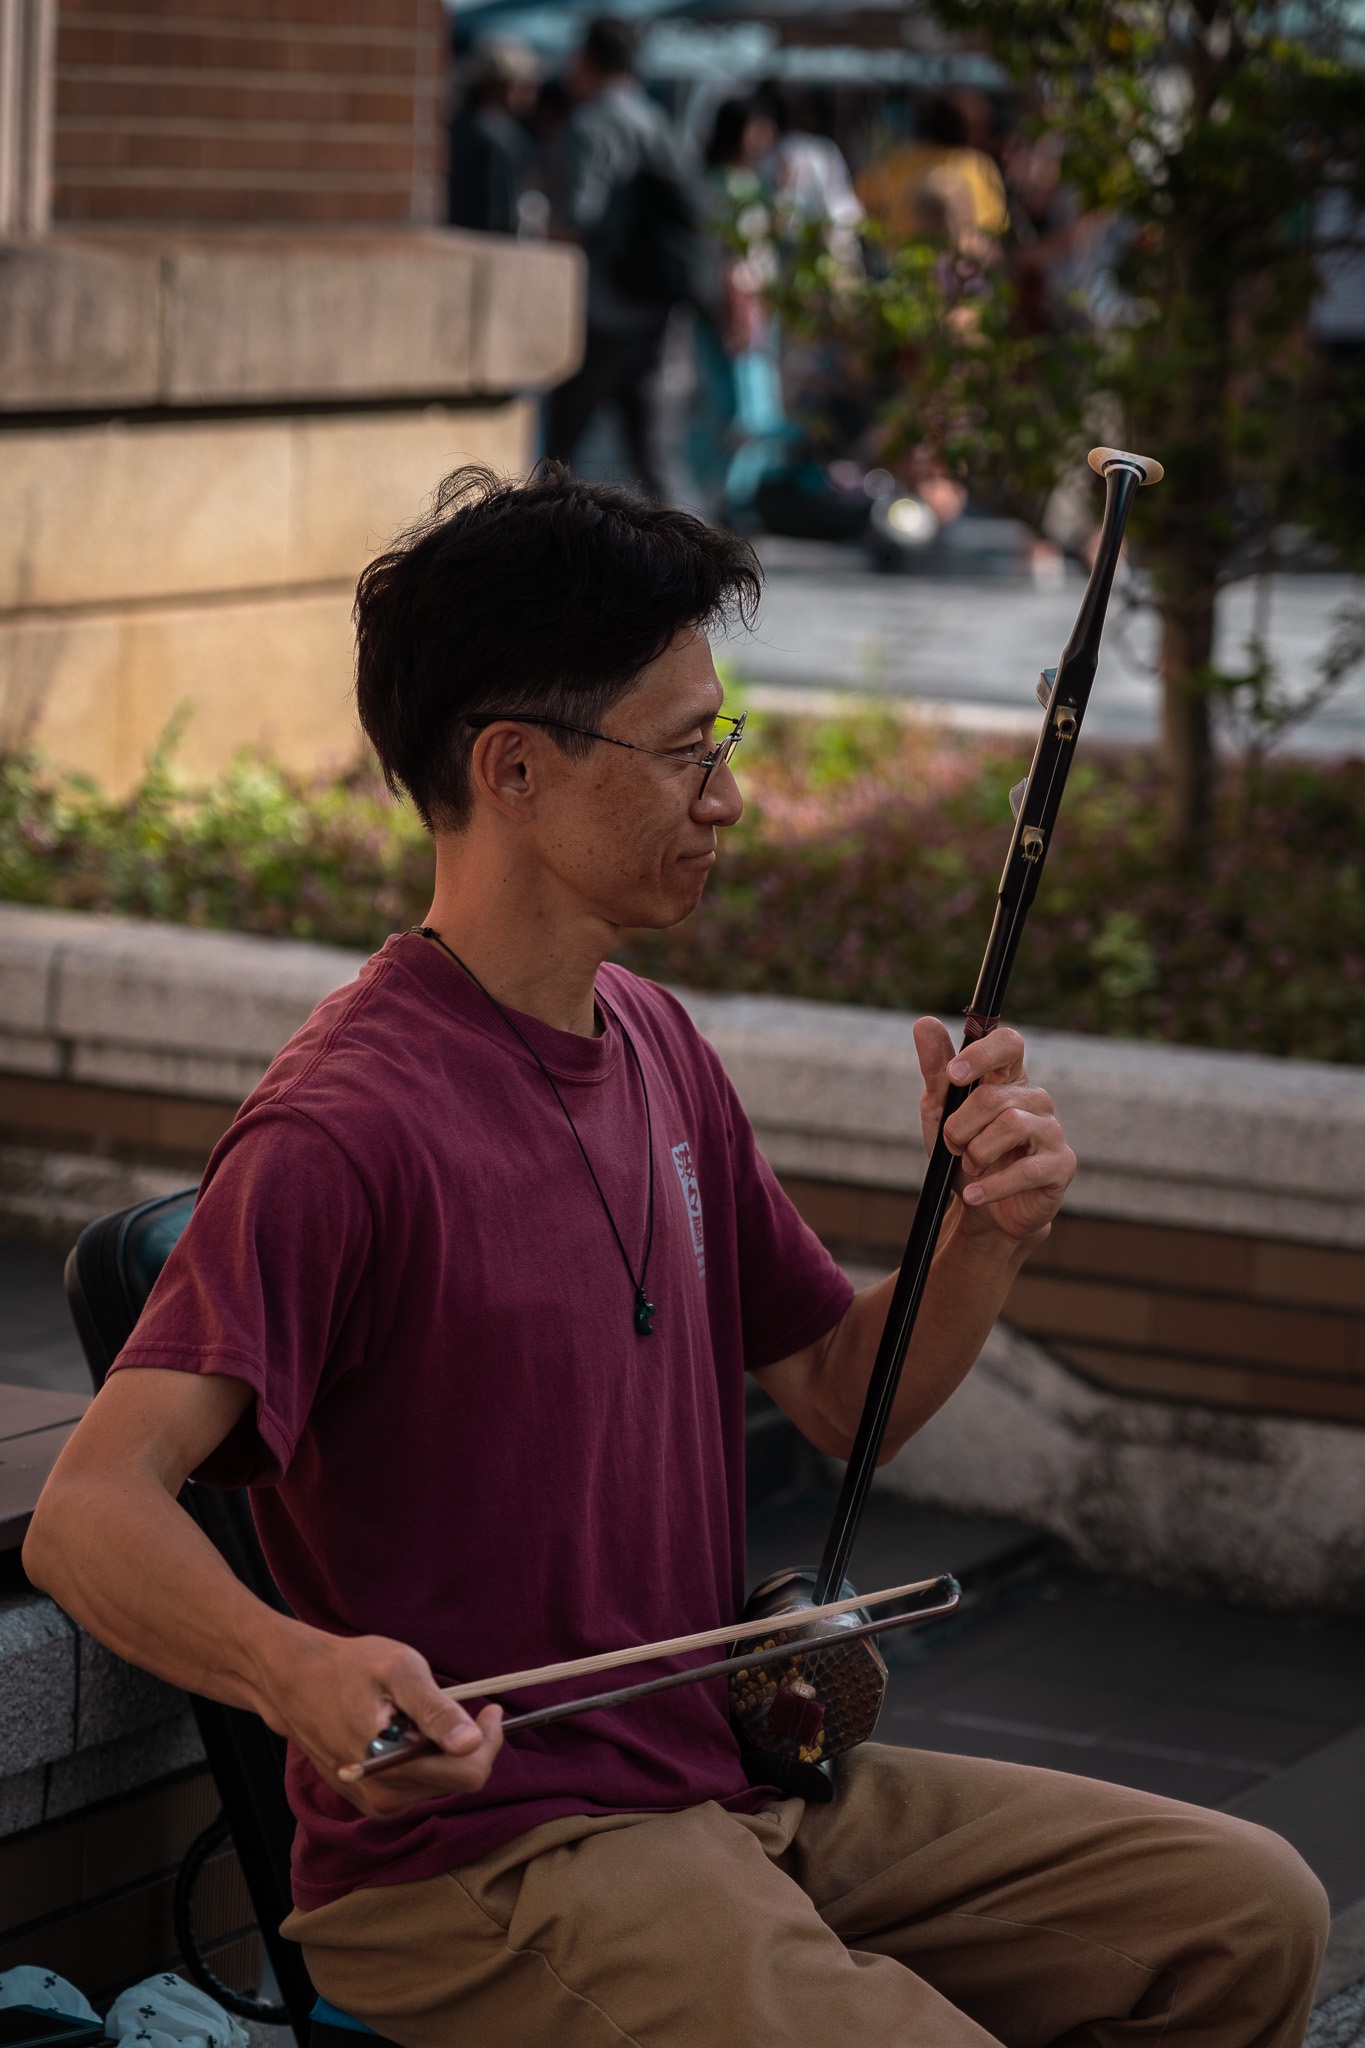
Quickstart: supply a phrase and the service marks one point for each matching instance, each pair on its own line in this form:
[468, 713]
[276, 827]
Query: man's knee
[1251, 1888]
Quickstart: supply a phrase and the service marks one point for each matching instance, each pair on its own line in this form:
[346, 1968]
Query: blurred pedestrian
[490, 145]
[810, 179]
[943, 186]
[618, 187]
[1059, 255]
[738, 343]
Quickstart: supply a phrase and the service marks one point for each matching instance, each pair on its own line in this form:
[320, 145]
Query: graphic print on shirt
[687, 1179]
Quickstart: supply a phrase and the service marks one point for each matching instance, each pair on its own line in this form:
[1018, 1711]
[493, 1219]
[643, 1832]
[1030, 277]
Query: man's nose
[720, 803]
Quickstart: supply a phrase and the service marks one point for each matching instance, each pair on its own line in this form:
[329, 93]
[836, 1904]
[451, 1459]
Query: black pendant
[644, 1314]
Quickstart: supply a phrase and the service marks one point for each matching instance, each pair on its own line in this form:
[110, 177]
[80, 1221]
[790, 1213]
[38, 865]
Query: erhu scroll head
[1102, 460]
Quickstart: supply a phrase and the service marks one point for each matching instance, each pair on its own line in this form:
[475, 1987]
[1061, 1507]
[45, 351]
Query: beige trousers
[940, 1901]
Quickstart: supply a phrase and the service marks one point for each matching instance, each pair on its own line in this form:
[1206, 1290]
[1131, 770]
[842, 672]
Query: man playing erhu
[468, 1298]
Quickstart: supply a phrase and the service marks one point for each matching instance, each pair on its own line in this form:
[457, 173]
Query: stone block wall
[246, 357]
[202, 441]
[249, 110]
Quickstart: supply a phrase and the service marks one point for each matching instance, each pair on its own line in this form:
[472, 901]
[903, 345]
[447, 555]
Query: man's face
[628, 833]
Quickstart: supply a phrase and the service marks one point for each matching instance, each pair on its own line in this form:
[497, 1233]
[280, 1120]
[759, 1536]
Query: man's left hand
[1015, 1164]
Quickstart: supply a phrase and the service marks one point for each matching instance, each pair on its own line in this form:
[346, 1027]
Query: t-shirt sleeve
[792, 1292]
[265, 1275]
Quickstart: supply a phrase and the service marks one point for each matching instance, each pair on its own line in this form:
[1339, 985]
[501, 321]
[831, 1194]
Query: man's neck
[524, 948]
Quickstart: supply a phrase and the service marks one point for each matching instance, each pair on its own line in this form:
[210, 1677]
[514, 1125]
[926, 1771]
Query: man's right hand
[333, 1694]
[110, 1543]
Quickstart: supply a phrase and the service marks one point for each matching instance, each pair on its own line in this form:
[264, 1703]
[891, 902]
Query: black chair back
[109, 1275]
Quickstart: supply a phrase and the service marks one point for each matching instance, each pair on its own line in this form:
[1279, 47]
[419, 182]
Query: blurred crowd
[688, 384]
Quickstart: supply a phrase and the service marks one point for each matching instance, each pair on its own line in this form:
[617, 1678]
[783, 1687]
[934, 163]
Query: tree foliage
[1224, 140]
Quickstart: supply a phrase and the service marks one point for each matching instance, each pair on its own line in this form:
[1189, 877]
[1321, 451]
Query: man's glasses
[719, 756]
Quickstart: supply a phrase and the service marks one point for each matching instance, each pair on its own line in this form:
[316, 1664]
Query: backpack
[649, 238]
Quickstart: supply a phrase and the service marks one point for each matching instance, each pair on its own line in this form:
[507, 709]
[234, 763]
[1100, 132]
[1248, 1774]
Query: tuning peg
[1017, 796]
[1045, 682]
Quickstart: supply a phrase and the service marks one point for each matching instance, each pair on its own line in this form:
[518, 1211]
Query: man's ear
[502, 769]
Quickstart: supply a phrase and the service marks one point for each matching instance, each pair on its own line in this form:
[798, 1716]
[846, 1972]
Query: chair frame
[107, 1285]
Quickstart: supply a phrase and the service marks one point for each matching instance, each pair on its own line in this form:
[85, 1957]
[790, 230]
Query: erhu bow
[813, 1684]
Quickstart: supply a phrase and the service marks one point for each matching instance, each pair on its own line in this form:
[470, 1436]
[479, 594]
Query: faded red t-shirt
[459, 1440]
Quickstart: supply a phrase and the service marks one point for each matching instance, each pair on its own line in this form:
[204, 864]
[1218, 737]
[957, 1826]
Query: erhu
[812, 1681]
[793, 1718]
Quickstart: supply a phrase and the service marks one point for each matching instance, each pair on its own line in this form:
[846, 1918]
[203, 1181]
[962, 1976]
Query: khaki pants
[940, 1901]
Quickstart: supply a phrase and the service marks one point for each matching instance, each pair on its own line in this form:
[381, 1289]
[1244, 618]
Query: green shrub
[258, 851]
[863, 871]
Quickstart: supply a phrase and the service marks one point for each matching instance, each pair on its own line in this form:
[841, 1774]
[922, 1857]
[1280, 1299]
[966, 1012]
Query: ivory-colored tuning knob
[1102, 459]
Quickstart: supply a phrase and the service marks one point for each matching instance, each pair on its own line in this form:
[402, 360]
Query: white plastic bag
[166, 2012]
[28, 1985]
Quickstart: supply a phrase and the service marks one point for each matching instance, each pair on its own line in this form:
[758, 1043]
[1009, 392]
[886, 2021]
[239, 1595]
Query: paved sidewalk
[38, 1345]
[829, 619]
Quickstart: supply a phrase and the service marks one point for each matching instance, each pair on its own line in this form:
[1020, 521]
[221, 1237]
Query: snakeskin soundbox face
[817, 1704]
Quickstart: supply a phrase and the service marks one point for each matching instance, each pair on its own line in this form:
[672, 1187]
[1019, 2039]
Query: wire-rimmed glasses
[719, 756]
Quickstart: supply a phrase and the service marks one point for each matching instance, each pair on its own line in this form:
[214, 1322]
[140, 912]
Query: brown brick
[1047, 1306]
[397, 17]
[249, 110]
[1309, 1273]
[224, 205]
[222, 1904]
[236, 1962]
[871, 1220]
[1162, 1376]
[316, 160]
[64, 1874]
[1210, 1261]
[149, 1832]
[139, 98]
[103, 1946]
[133, 1122]
[236, 55]
[1298, 1340]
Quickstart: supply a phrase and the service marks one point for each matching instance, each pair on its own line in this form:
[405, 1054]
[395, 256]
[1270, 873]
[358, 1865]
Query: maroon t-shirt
[458, 1437]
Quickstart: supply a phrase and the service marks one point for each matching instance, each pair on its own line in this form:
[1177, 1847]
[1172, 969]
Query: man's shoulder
[627, 116]
[334, 1054]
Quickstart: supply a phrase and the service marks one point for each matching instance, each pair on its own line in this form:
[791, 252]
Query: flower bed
[864, 871]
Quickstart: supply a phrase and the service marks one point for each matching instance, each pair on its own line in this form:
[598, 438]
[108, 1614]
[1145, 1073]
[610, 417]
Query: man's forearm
[965, 1292]
[127, 1563]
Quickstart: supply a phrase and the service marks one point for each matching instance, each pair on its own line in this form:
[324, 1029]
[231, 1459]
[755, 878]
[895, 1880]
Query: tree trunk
[1186, 726]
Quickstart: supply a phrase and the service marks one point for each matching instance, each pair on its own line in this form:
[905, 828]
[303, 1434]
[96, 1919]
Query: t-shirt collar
[568, 1056]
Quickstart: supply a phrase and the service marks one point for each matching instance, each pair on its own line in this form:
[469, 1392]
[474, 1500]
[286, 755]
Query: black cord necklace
[644, 1307]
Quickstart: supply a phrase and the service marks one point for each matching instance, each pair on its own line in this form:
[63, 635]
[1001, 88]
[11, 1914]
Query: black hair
[944, 122]
[727, 132]
[548, 596]
[609, 46]
[771, 100]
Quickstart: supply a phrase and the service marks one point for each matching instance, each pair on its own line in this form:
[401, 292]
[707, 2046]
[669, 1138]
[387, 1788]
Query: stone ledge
[155, 1006]
[122, 318]
[1213, 1140]
[1210, 1140]
[76, 1723]
[1255, 1508]
[111, 517]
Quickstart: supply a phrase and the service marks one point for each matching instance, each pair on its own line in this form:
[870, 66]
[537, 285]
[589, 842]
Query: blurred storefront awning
[808, 42]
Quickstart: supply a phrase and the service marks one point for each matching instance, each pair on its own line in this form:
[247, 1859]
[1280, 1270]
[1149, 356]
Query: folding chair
[109, 1275]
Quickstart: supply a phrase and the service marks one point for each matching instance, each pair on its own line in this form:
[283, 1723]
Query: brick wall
[90, 1896]
[1265, 1325]
[261, 111]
